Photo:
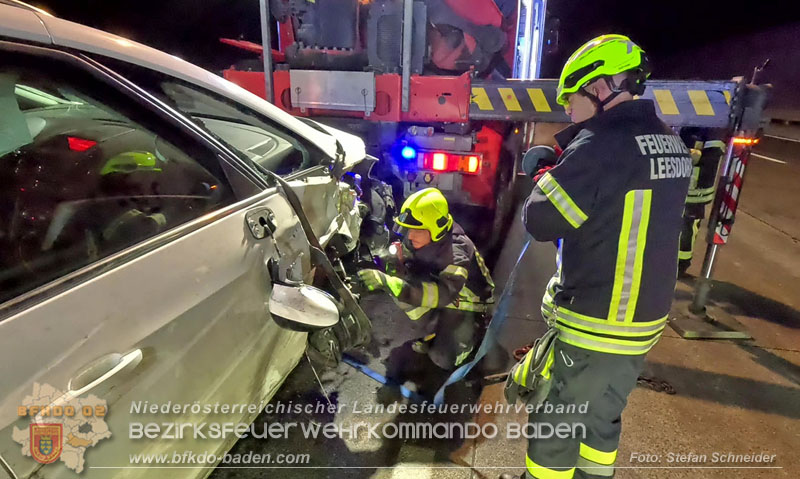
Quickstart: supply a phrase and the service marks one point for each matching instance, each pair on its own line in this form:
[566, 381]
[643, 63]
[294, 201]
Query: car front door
[135, 268]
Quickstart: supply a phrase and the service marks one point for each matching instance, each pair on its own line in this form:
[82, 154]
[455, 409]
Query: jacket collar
[626, 110]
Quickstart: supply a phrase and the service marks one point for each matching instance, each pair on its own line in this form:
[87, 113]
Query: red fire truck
[445, 93]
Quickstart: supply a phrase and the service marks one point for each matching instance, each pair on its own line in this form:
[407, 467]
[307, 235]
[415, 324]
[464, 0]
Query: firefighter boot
[683, 265]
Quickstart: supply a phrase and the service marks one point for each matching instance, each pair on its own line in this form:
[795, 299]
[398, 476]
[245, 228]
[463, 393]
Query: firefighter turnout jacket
[449, 273]
[614, 203]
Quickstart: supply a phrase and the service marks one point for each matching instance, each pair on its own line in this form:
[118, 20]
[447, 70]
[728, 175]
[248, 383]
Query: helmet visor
[407, 219]
[400, 230]
[573, 78]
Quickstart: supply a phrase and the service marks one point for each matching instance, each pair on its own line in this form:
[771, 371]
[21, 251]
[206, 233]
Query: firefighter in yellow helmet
[445, 281]
[613, 202]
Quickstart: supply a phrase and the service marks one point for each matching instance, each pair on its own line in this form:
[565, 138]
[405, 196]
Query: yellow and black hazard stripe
[692, 103]
[678, 103]
[516, 100]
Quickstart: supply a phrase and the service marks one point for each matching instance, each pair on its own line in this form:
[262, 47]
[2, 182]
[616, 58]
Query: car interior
[80, 182]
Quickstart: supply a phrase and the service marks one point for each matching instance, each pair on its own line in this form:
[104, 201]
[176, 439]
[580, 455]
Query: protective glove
[542, 171]
[529, 379]
[374, 280]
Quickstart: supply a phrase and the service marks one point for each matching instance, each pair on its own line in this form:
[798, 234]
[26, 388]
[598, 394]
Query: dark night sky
[188, 28]
[678, 34]
[663, 27]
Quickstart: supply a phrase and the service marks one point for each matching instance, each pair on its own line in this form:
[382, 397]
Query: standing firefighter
[614, 201]
[706, 154]
[446, 283]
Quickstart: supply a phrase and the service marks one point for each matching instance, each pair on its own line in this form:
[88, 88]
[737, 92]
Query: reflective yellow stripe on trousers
[469, 301]
[685, 255]
[415, 313]
[541, 472]
[470, 307]
[595, 462]
[700, 195]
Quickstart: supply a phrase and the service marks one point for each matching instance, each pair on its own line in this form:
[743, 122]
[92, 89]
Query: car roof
[20, 21]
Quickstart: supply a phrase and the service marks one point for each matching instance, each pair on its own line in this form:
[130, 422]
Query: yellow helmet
[131, 162]
[425, 210]
[604, 56]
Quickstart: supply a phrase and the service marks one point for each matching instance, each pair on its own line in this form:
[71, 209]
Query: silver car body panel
[195, 307]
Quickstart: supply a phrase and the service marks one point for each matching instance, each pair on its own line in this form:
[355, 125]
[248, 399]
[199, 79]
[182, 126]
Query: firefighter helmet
[425, 210]
[603, 57]
[130, 162]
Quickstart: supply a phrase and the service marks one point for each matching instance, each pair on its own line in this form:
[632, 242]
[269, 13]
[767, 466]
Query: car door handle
[102, 370]
[95, 374]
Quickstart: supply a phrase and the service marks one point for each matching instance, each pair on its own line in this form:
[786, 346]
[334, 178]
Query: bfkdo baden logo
[46, 442]
[61, 427]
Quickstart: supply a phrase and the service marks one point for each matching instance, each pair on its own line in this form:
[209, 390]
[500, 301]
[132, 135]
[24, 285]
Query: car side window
[251, 134]
[81, 178]
[240, 128]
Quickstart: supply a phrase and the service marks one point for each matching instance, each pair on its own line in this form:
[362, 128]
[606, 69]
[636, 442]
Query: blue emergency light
[408, 153]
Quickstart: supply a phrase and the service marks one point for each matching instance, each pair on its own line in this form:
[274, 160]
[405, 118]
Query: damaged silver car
[165, 238]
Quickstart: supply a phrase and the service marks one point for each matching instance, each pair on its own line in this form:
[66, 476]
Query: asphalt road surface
[771, 191]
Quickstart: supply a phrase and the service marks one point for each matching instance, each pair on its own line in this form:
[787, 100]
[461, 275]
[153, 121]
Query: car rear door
[136, 269]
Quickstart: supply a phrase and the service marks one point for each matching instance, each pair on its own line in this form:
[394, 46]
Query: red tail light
[451, 162]
[79, 144]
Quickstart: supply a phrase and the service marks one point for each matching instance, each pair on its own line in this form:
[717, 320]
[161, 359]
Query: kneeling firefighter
[443, 280]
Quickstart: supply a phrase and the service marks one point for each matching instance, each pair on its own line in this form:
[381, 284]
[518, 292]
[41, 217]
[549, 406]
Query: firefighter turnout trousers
[706, 151]
[600, 381]
[692, 217]
[452, 337]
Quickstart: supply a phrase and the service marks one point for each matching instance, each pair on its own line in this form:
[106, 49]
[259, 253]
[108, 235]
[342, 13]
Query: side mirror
[302, 308]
